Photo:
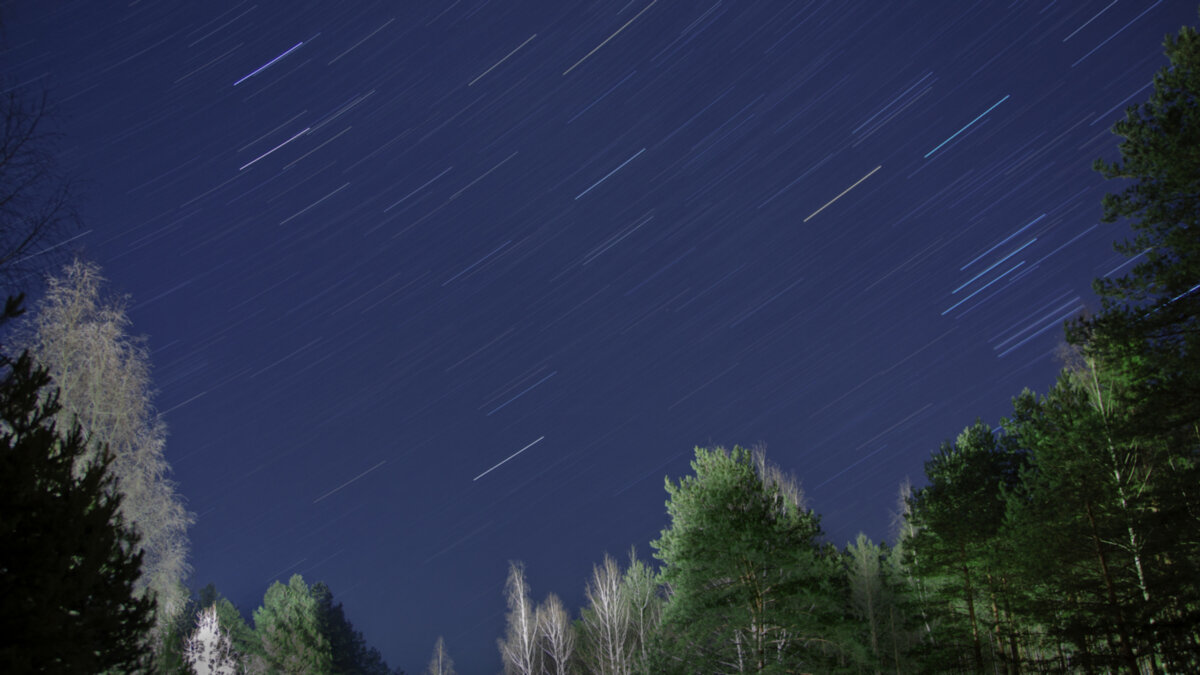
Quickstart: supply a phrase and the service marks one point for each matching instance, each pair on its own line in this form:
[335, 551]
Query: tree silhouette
[68, 563]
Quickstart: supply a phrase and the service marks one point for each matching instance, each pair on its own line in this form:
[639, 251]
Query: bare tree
[209, 650]
[606, 621]
[784, 486]
[440, 663]
[557, 636]
[642, 592]
[35, 204]
[519, 649]
[103, 376]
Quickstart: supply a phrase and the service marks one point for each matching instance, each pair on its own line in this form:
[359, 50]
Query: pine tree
[751, 588]
[1096, 515]
[1147, 333]
[246, 642]
[349, 650]
[1151, 315]
[956, 520]
[288, 625]
[68, 563]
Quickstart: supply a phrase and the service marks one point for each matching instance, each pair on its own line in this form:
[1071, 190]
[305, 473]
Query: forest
[1063, 538]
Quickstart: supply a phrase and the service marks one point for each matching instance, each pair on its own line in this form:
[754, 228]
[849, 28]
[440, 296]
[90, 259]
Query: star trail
[377, 247]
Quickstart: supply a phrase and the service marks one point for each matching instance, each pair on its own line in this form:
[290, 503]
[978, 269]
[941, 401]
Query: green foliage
[752, 589]
[68, 563]
[1160, 152]
[881, 604]
[1098, 503]
[168, 654]
[246, 642]
[288, 625]
[1149, 326]
[349, 651]
[957, 520]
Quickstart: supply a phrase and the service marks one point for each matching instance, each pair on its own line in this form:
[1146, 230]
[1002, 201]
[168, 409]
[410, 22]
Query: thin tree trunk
[971, 611]
[996, 620]
[1122, 631]
[1012, 629]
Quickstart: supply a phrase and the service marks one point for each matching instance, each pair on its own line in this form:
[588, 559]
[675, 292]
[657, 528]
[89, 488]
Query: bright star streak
[506, 459]
[585, 57]
[1085, 24]
[968, 125]
[610, 173]
[982, 288]
[501, 60]
[349, 481]
[268, 64]
[1056, 322]
[251, 162]
[1116, 33]
[860, 180]
[527, 389]
[476, 263]
[993, 266]
[417, 190]
[1002, 242]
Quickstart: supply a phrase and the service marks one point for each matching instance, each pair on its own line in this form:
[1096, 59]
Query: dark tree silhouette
[67, 562]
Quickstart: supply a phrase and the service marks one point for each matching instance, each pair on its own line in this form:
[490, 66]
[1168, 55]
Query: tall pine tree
[68, 563]
[752, 589]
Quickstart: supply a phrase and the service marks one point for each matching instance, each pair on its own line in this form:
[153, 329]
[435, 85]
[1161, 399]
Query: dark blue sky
[378, 247]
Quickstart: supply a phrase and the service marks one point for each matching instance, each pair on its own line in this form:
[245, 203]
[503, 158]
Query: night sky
[379, 247]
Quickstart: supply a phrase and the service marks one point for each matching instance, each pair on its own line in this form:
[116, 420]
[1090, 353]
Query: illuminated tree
[209, 649]
[751, 588]
[440, 663]
[519, 649]
[288, 625]
[103, 377]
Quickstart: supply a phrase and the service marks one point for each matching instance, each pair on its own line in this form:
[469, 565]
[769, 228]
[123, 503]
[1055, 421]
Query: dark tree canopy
[1149, 324]
[349, 649]
[67, 562]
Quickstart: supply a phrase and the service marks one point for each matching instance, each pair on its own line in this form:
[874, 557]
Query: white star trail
[506, 459]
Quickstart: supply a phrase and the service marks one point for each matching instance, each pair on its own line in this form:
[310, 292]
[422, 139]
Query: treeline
[297, 629]
[1064, 539]
[86, 499]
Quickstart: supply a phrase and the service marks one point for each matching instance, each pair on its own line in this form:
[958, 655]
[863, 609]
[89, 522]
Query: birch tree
[607, 621]
[440, 663]
[642, 593]
[209, 649]
[556, 635]
[103, 375]
[519, 649]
